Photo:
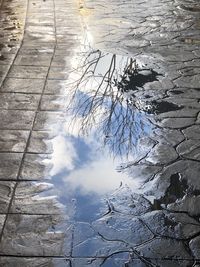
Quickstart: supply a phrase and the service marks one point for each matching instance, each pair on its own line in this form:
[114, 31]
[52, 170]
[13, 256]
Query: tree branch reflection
[103, 97]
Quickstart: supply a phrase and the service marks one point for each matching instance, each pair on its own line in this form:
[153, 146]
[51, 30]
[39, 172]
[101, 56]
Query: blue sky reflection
[101, 135]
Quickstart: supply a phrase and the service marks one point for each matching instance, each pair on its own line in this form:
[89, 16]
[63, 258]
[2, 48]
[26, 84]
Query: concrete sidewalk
[37, 42]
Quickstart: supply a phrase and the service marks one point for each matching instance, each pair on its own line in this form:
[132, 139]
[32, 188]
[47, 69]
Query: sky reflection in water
[104, 129]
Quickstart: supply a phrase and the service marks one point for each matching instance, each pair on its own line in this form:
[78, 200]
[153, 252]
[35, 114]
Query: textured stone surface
[35, 167]
[23, 85]
[13, 140]
[19, 101]
[40, 142]
[162, 154]
[33, 262]
[28, 72]
[56, 87]
[29, 200]
[47, 120]
[9, 165]
[154, 220]
[6, 191]
[16, 119]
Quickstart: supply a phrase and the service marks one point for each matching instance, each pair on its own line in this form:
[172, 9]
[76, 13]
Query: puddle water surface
[101, 130]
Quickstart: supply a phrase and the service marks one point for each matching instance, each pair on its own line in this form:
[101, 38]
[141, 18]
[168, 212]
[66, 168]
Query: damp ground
[99, 133]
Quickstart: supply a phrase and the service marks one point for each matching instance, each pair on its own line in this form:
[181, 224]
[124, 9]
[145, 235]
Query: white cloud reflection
[63, 156]
[97, 171]
[99, 176]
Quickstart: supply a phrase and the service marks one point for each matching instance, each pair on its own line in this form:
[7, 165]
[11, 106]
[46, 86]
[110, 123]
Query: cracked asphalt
[156, 225]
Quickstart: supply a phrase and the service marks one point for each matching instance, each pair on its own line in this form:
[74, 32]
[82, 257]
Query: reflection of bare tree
[103, 96]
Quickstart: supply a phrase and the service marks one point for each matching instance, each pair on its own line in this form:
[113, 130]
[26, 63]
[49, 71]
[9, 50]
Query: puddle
[102, 97]
[177, 190]
[84, 174]
[102, 128]
[159, 107]
[100, 133]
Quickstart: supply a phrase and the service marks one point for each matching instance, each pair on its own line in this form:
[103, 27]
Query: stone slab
[9, 165]
[13, 140]
[19, 101]
[16, 119]
[23, 85]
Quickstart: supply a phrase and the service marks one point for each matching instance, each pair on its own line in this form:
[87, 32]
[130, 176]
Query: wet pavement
[99, 133]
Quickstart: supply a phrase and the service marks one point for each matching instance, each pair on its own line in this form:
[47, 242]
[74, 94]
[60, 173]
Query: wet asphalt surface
[99, 133]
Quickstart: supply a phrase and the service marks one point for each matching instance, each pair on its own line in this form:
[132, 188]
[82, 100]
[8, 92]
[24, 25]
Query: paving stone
[35, 167]
[33, 39]
[58, 73]
[3, 70]
[28, 72]
[35, 20]
[183, 113]
[9, 165]
[6, 191]
[144, 146]
[159, 262]
[33, 60]
[2, 220]
[141, 172]
[13, 140]
[92, 262]
[174, 225]
[194, 246]
[153, 248]
[198, 119]
[82, 231]
[189, 149]
[47, 120]
[19, 101]
[33, 262]
[40, 29]
[61, 60]
[162, 154]
[23, 85]
[185, 93]
[124, 201]
[36, 50]
[30, 244]
[176, 123]
[6, 59]
[24, 224]
[188, 82]
[166, 136]
[129, 230]
[30, 198]
[189, 204]
[56, 87]
[186, 102]
[40, 142]
[162, 34]
[192, 132]
[188, 171]
[53, 103]
[16, 119]
[98, 247]
[31, 188]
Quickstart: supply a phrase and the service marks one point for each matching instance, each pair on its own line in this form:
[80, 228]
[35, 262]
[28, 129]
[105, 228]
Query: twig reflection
[103, 96]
